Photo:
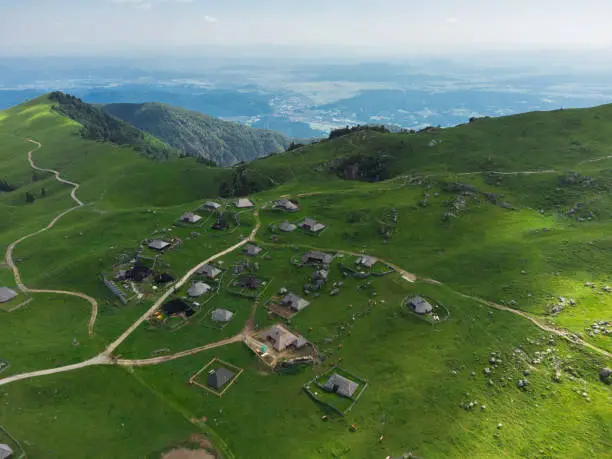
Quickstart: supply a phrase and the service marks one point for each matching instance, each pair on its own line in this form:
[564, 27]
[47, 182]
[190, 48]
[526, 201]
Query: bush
[243, 182]
[348, 130]
[7, 187]
[98, 125]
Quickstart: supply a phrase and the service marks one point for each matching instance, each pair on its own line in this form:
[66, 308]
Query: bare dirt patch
[201, 440]
[275, 308]
[184, 453]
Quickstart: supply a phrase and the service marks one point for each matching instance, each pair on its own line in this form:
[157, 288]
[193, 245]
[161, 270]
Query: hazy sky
[368, 26]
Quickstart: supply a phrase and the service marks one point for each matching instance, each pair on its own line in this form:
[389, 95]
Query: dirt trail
[441, 174]
[544, 171]
[562, 333]
[97, 360]
[166, 358]
[75, 186]
[11, 248]
[410, 277]
[105, 358]
[111, 347]
[595, 160]
[572, 338]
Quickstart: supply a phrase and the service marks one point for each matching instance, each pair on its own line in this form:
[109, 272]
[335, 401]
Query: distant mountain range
[200, 135]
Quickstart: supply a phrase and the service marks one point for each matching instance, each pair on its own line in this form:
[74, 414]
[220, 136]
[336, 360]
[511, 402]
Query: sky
[385, 27]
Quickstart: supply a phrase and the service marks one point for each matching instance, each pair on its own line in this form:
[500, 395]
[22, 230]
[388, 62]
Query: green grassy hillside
[560, 140]
[97, 125]
[200, 135]
[515, 211]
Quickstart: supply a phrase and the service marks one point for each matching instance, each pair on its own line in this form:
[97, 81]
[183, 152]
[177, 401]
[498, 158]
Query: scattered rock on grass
[605, 374]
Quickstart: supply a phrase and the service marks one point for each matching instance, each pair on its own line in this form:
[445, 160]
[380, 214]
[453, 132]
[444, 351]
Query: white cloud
[210, 19]
[147, 4]
[452, 20]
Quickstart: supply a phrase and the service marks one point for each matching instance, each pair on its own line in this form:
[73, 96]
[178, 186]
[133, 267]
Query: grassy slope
[413, 397]
[200, 135]
[72, 255]
[531, 141]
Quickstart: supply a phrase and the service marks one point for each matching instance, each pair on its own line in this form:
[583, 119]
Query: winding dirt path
[11, 248]
[75, 186]
[411, 277]
[565, 334]
[111, 347]
[106, 358]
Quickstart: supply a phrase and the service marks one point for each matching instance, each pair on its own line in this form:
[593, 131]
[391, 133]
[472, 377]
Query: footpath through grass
[421, 376]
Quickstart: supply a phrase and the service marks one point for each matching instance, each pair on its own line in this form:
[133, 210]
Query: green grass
[407, 383]
[106, 410]
[339, 404]
[418, 373]
[200, 135]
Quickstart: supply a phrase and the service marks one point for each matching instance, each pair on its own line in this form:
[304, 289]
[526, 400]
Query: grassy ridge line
[99, 126]
[129, 180]
[367, 355]
[531, 141]
[199, 135]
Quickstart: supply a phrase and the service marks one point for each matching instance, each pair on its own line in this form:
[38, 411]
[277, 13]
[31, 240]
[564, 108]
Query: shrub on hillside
[244, 182]
[6, 186]
[372, 168]
[97, 125]
[348, 130]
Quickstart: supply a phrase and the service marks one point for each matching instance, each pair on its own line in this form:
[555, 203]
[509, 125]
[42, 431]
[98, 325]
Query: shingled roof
[198, 289]
[420, 305]
[6, 452]
[310, 224]
[158, 244]
[222, 315]
[209, 271]
[252, 250]
[294, 302]
[6, 294]
[318, 257]
[212, 205]
[341, 385]
[366, 260]
[285, 204]
[219, 377]
[282, 337]
[287, 227]
[190, 217]
[244, 203]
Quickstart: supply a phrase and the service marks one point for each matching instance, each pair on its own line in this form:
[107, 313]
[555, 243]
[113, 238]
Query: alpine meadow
[438, 293]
